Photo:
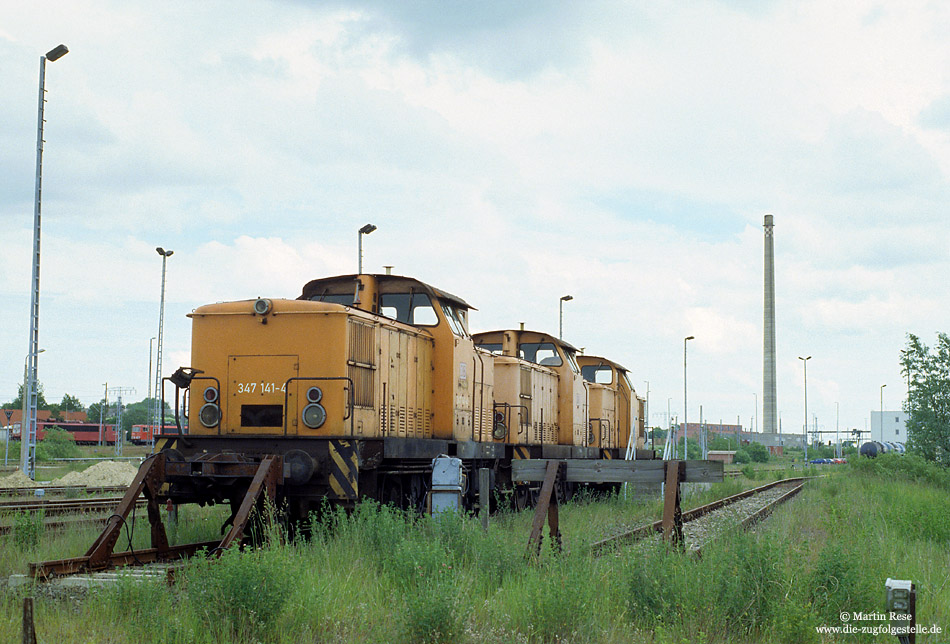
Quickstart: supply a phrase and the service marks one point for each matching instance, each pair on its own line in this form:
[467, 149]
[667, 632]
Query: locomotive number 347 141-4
[260, 387]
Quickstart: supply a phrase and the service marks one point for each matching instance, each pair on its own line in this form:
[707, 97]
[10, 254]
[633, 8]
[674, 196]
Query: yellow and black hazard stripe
[165, 443]
[522, 452]
[607, 454]
[344, 470]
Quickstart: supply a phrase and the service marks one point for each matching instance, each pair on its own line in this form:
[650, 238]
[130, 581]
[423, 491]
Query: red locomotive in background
[84, 433]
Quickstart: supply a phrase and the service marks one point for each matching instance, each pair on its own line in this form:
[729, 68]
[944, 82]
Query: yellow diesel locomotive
[360, 382]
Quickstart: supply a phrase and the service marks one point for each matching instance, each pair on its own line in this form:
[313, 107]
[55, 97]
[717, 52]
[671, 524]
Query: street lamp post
[837, 437]
[685, 408]
[105, 403]
[882, 413]
[560, 326]
[805, 427]
[755, 424]
[365, 230]
[157, 418]
[646, 419]
[151, 403]
[28, 422]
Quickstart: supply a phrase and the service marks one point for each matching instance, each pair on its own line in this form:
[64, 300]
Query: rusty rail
[646, 530]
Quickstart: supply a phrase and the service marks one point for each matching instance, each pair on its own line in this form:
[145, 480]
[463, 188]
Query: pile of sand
[103, 474]
[17, 479]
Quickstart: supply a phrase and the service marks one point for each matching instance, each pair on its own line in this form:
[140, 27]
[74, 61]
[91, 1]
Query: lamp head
[690, 337]
[164, 253]
[183, 376]
[367, 229]
[56, 53]
[567, 298]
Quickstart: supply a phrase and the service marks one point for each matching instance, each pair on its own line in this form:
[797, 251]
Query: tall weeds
[377, 574]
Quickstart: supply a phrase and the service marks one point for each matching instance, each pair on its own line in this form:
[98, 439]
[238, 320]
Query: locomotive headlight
[210, 395]
[314, 395]
[500, 431]
[314, 415]
[209, 415]
[262, 306]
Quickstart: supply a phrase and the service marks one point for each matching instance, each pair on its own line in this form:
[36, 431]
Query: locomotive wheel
[417, 494]
[521, 498]
[392, 491]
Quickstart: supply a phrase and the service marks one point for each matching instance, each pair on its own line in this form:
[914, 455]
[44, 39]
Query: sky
[624, 153]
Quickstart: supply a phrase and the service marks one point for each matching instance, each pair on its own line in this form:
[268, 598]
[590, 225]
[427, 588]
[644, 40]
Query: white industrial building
[888, 426]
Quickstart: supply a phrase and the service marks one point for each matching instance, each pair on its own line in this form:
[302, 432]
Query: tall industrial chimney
[769, 405]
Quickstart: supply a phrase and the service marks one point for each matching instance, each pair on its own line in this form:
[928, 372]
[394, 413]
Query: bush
[57, 443]
[12, 450]
[742, 456]
[748, 471]
[908, 467]
[758, 452]
[27, 529]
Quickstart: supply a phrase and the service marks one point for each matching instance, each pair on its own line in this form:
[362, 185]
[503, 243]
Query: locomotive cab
[460, 384]
[615, 408]
[539, 386]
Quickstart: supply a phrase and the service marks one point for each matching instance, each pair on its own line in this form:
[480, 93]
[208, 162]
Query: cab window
[456, 321]
[491, 347]
[409, 308]
[346, 299]
[626, 379]
[573, 362]
[601, 374]
[542, 353]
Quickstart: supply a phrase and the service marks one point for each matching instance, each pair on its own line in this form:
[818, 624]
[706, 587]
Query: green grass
[378, 575]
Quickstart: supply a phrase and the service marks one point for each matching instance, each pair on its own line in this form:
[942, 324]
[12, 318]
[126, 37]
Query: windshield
[409, 308]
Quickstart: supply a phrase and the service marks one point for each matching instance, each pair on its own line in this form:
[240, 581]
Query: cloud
[509, 153]
[936, 116]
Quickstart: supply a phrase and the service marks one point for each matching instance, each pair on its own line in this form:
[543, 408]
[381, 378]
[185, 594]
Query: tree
[18, 401]
[71, 403]
[132, 413]
[722, 442]
[928, 397]
[93, 412]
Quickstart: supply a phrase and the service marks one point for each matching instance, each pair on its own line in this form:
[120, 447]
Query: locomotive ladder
[147, 482]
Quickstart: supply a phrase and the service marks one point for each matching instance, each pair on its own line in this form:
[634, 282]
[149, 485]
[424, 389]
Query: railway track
[60, 513]
[61, 490]
[703, 524]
